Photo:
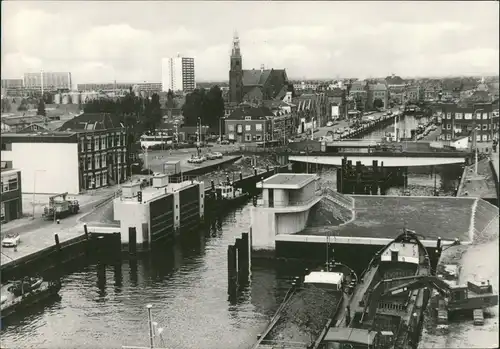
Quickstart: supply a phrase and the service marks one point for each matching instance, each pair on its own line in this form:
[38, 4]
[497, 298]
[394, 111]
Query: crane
[475, 295]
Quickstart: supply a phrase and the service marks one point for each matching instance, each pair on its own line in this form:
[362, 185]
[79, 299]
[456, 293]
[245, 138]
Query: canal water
[104, 307]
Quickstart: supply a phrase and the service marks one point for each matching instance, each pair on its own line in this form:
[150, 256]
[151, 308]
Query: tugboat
[230, 195]
[22, 293]
[309, 308]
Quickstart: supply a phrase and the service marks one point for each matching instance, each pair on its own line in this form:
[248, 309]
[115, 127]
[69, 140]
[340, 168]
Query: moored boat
[20, 294]
[309, 308]
[230, 195]
[376, 320]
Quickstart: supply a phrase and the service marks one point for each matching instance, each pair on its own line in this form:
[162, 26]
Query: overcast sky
[103, 41]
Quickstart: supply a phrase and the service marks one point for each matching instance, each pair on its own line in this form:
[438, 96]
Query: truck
[60, 207]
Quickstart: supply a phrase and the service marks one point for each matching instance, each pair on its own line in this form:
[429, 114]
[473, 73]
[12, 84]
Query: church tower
[236, 73]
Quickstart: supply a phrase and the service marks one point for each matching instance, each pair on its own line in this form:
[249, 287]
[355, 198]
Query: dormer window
[248, 118]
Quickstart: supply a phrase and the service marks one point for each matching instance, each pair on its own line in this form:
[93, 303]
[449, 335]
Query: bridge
[390, 159]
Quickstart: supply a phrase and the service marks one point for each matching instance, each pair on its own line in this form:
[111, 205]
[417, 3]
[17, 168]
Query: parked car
[224, 142]
[11, 240]
[217, 155]
[329, 124]
[196, 160]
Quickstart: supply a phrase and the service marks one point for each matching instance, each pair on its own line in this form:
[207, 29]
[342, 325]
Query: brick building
[461, 120]
[11, 198]
[249, 124]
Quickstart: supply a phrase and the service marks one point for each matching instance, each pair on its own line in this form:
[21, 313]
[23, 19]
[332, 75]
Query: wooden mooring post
[238, 264]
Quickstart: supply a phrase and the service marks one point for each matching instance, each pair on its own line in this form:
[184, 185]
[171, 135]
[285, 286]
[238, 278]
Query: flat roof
[7, 171]
[287, 181]
[40, 137]
[350, 335]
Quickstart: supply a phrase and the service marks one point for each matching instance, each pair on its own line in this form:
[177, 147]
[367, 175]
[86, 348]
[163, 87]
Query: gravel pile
[305, 315]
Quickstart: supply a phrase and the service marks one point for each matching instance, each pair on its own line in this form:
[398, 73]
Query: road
[156, 158]
[322, 131]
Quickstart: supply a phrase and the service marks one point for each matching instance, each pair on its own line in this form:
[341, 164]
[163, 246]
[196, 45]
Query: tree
[41, 108]
[213, 106]
[23, 106]
[378, 103]
[6, 106]
[193, 107]
[171, 102]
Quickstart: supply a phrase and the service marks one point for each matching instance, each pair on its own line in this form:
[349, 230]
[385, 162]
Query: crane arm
[412, 283]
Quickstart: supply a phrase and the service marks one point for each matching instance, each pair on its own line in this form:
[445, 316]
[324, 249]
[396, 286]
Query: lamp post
[220, 129]
[477, 128]
[34, 189]
[151, 334]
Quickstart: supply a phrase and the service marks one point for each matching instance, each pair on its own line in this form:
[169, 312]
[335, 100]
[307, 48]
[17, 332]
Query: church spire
[236, 45]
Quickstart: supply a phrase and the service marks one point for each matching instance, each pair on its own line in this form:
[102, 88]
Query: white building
[284, 207]
[49, 163]
[178, 74]
[47, 80]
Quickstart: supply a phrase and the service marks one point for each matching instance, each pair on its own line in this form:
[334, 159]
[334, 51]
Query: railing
[284, 344]
[277, 204]
[182, 178]
[342, 199]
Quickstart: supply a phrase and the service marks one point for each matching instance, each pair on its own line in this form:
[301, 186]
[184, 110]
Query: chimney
[262, 67]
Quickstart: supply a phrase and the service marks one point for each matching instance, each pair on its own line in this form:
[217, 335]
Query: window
[485, 138]
[97, 143]
[103, 160]
[96, 162]
[486, 116]
[103, 142]
[7, 146]
[258, 127]
[248, 137]
[468, 116]
[89, 163]
[104, 179]
[230, 127]
[485, 127]
[478, 138]
[469, 127]
[248, 127]
[448, 126]
[459, 116]
[478, 116]
[258, 137]
[448, 115]
[98, 180]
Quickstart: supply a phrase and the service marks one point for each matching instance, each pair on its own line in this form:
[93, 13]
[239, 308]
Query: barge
[387, 308]
[18, 295]
[377, 319]
[309, 308]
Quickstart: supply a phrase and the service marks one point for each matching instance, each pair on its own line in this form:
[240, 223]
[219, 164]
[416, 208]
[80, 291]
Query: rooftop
[287, 181]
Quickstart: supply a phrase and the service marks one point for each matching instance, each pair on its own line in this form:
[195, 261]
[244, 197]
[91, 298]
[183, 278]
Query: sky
[100, 41]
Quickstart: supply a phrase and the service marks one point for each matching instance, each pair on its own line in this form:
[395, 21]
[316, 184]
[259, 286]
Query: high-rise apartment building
[47, 81]
[178, 74]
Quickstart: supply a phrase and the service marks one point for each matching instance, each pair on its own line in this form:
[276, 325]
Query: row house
[461, 120]
[359, 93]
[102, 149]
[414, 94]
[397, 94]
[312, 106]
[432, 93]
[378, 91]
[248, 124]
[337, 100]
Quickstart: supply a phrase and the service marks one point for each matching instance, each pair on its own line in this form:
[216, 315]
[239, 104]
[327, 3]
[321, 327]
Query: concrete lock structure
[284, 208]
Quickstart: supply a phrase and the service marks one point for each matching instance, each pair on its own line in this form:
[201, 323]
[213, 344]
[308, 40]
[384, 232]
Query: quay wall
[46, 258]
[479, 262]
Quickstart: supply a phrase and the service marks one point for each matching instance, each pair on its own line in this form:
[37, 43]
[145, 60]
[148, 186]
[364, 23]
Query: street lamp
[477, 128]
[220, 128]
[150, 318]
[34, 189]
